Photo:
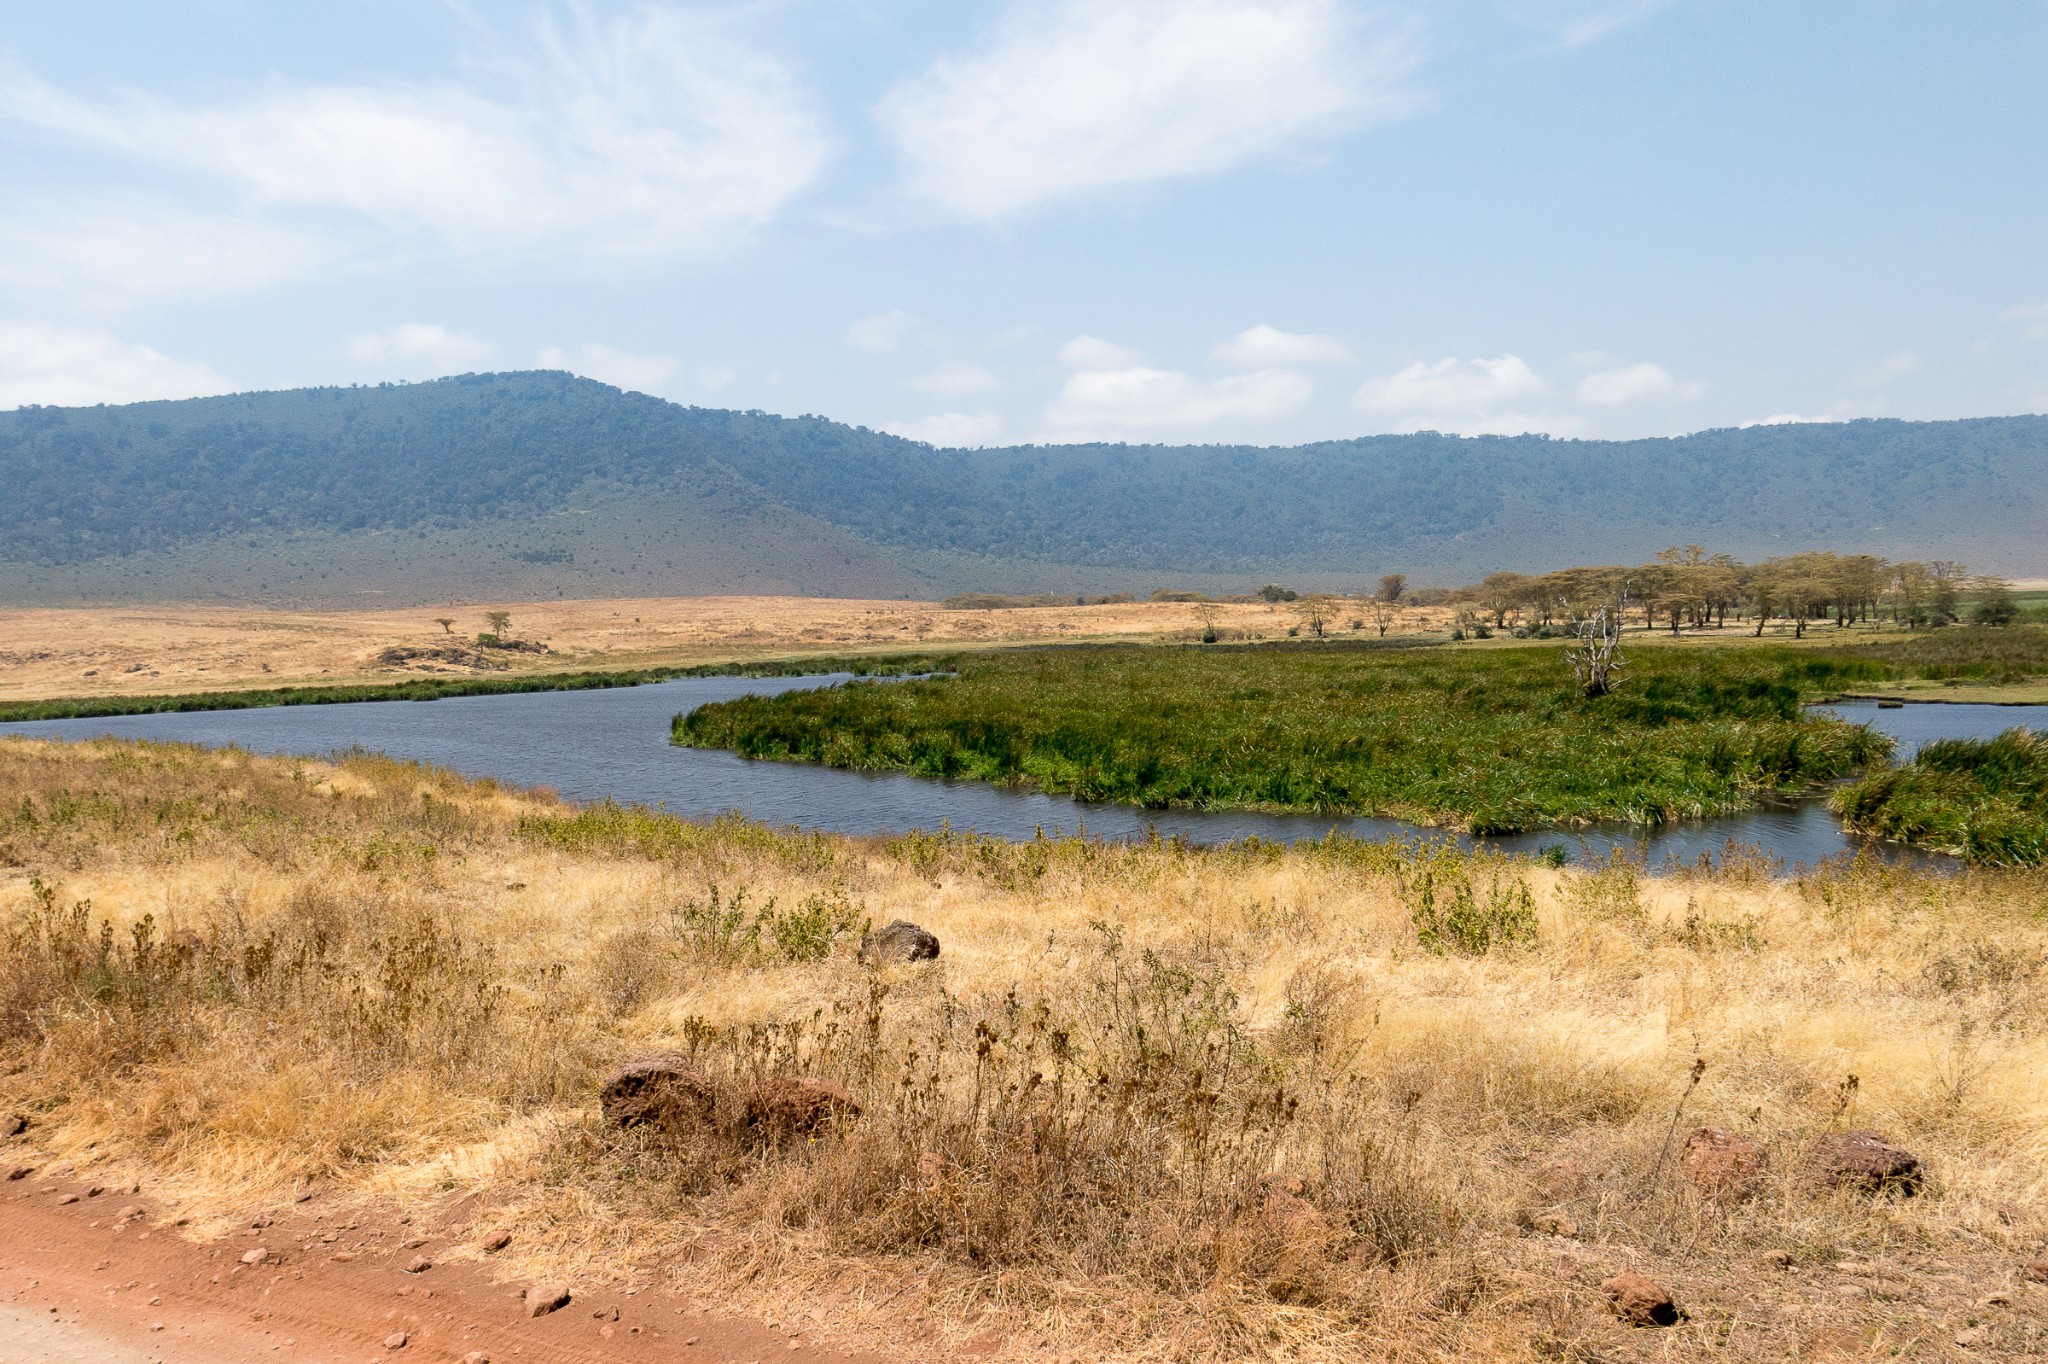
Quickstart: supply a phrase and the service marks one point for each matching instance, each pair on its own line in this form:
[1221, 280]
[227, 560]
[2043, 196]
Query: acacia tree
[500, 621]
[1315, 611]
[447, 624]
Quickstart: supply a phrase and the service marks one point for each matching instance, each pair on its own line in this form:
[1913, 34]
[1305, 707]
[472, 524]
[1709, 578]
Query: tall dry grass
[1153, 1101]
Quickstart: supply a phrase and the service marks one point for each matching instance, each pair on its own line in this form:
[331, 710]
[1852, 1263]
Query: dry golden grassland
[130, 651]
[1085, 1122]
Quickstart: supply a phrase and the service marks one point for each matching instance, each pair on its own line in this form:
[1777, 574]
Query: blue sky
[1205, 220]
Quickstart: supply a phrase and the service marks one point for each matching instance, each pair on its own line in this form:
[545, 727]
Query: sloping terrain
[529, 484]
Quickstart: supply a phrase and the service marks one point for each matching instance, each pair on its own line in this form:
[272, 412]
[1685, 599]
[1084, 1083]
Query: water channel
[613, 744]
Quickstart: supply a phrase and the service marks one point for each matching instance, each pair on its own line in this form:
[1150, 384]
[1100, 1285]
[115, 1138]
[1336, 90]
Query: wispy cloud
[1112, 393]
[657, 132]
[1575, 23]
[608, 364]
[74, 367]
[880, 333]
[1611, 382]
[417, 350]
[1072, 95]
[950, 429]
[1262, 346]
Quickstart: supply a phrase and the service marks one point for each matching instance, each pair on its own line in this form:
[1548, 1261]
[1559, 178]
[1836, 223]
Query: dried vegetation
[1345, 1100]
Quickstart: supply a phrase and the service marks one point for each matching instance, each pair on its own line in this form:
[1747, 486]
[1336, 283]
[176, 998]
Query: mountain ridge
[538, 482]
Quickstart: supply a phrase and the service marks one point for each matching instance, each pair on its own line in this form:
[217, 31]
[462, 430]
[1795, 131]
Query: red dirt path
[77, 1284]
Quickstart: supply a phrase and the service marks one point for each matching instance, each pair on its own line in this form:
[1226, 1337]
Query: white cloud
[650, 133]
[1468, 397]
[1112, 393]
[881, 333]
[72, 367]
[954, 381]
[1262, 346]
[1075, 94]
[949, 429]
[1792, 419]
[1574, 23]
[116, 252]
[635, 373]
[1452, 386]
[1617, 384]
[1092, 352]
[424, 349]
[2032, 319]
[715, 377]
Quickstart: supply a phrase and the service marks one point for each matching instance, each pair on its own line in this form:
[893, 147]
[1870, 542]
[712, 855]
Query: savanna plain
[1151, 1101]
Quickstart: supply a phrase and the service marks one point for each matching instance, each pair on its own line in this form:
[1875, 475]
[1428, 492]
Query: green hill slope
[535, 483]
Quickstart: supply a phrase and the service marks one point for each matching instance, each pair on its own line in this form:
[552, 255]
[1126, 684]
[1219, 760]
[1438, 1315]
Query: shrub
[1451, 915]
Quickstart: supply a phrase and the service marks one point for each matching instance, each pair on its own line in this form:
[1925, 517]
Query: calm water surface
[596, 745]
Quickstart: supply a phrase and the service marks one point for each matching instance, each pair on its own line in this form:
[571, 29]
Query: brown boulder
[782, 1106]
[2036, 1271]
[1865, 1161]
[901, 941]
[14, 1124]
[1721, 1165]
[544, 1298]
[662, 1090]
[1640, 1301]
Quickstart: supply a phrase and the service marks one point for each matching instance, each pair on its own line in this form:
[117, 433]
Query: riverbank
[376, 981]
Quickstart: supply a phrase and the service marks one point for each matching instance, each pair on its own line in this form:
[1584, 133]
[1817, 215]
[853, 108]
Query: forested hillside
[521, 481]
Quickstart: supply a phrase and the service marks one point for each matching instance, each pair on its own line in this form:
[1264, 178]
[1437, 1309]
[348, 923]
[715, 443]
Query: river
[613, 744]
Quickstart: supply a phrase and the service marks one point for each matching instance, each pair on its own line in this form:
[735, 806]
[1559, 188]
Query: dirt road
[107, 1279]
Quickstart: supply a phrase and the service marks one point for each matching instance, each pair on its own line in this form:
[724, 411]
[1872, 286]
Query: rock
[495, 1242]
[901, 941]
[396, 1340]
[544, 1298]
[476, 1357]
[1554, 1224]
[128, 1212]
[256, 1256]
[419, 1264]
[1640, 1301]
[21, 1172]
[796, 1106]
[14, 1124]
[1865, 1161]
[1973, 1336]
[2036, 1271]
[605, 1314]
[67, 1198]
[662, 1090]
[1721, 1165]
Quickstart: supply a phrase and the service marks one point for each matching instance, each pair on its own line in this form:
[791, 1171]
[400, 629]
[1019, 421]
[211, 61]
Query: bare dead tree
[1596, 659]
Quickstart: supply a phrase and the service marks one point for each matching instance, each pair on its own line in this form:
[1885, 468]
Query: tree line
[1688, 588]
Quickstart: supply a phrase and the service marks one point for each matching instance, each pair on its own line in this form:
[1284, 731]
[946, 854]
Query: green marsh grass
[1492, 740]
[1984, 799]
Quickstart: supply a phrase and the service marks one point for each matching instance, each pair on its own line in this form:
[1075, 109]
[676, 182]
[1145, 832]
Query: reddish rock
[128, 1212]
[21, 1171]
[544, 1298]
[901, 941]
[662, 1090]
[396, 1340]
[256, 1256]
[476, 1357]
[1721, 1165]
[419, 1264]
[1640, 1301]
[495, 1242]
[782, 1107]
[13, 1125]
[1865, 1161]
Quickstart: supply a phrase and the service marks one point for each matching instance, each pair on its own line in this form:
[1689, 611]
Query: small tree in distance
[447, 624]
[500, 621]
[1392, 587]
